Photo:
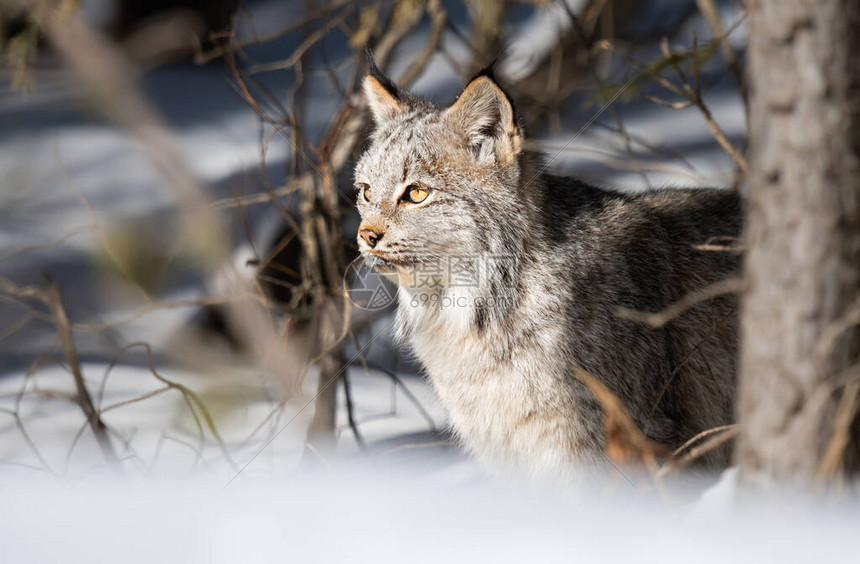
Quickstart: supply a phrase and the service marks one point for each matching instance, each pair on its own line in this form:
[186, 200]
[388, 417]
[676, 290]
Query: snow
[411, 494]
[534, 40]
[364, 514]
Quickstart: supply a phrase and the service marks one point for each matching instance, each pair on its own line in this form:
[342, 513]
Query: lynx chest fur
[504, 397]
[449, 195]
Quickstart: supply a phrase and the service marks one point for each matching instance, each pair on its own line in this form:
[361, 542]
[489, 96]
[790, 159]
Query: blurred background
[177, 217]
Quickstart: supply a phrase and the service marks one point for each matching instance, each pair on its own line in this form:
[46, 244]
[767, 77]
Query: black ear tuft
[489, 71]
[383, 80]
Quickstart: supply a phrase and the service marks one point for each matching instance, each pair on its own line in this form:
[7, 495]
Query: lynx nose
[370, 236]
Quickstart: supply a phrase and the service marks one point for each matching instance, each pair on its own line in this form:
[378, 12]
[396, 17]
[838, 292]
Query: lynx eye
[365, 191]
[416, 194]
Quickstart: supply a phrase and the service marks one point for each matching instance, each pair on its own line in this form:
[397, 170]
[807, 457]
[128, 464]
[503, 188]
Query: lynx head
[439, 182]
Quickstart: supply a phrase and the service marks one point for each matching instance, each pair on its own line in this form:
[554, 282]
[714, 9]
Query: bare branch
[661, 318]
[50, 297]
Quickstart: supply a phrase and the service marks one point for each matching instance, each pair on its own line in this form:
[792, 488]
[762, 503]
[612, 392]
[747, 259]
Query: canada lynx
[550, 261]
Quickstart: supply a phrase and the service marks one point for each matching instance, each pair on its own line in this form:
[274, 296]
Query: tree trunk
[799, 371]
[321, 433]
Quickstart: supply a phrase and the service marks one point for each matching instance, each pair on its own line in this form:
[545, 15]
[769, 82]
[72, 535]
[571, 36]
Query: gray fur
[574, 254]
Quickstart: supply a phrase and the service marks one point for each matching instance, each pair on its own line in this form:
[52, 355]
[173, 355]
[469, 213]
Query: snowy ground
[357, 517]
[411, 494]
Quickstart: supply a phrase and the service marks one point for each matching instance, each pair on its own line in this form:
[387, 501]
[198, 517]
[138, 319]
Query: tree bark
[321, 433]
[800, 304]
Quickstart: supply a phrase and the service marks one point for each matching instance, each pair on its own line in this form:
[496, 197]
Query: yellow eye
[416, 194]
[365, 192]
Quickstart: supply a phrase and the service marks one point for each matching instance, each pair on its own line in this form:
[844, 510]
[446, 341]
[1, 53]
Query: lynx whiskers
[446, 197]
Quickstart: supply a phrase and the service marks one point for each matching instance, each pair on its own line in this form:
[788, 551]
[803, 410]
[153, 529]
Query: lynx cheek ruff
[508, 353]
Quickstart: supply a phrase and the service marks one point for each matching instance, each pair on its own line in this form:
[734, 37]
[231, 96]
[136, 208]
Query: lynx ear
[485, 114]
[383, 97]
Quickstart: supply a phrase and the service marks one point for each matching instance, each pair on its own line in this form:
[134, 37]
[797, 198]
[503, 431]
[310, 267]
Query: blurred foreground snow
[411, 495]
[366, 514]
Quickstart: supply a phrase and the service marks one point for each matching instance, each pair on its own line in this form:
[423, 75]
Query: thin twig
[714, 442]
[661, 318]
[50, 297]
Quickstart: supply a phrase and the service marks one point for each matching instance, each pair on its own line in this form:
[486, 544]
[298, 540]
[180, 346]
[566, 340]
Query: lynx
[550, 261]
